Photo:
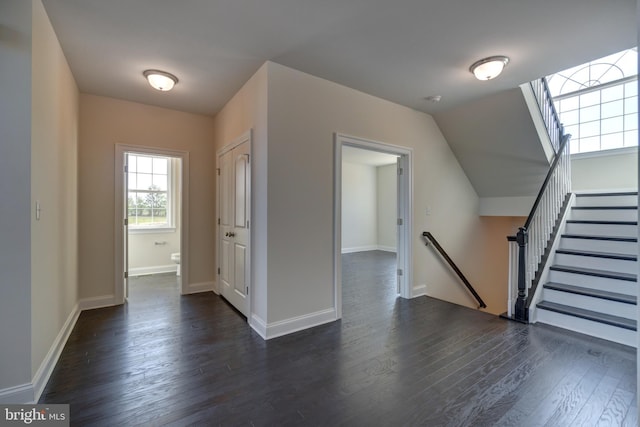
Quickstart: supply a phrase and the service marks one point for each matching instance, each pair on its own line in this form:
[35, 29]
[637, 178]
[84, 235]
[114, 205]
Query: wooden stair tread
[594, 316]
[595, 293]
[595, 254]
[594, 272]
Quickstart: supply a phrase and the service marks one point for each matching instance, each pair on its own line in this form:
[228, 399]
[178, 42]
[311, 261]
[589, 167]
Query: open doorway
[152, 221]
[372, 219]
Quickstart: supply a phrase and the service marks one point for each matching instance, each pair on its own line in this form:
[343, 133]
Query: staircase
[591, 286]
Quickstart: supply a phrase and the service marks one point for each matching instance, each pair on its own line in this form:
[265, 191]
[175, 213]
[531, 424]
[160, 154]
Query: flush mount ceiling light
[489, 68]
[160, 80]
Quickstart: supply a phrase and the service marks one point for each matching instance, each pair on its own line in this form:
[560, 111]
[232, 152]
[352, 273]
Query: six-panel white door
[234, 210]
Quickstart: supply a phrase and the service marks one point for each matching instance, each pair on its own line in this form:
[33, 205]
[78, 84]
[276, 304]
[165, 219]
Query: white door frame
[245, 137]
[405, 201]
[120, 197]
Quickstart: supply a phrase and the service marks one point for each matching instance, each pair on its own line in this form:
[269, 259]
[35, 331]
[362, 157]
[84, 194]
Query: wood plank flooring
[163, 359]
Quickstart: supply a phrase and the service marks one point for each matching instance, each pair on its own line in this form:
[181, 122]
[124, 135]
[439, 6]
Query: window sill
[605, 153]
[159, 230]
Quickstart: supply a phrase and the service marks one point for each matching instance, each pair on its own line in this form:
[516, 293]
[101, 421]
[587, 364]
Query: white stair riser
[607, 201]
[587, 327]
[602, 229]
[599, 305]
[593, 282]
[607, 264]
[605, 214]
[599, 245]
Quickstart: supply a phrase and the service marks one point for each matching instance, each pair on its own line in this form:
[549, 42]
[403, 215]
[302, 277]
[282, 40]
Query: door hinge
[126, 274]
[247, 223]
[400, 222]
[247, 293]
[218, 271]
[400, 272]
[218, 170]
[218, 221]
[126, 222]
[400, 171]
[126, 168]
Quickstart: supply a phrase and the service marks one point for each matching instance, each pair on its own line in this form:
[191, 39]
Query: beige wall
[304, 113]
[54, 183]
[247, 110]
[105, 122]
[605, 172]
[387, 206]
[359, 207]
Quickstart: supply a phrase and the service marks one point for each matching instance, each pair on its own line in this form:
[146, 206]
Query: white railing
[528, 248]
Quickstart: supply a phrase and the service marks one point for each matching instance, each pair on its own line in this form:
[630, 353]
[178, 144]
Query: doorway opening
[372, 216]
[152, 221]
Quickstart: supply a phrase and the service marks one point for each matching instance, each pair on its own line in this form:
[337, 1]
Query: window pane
[589, 129]
[131, 162]
[574, 145]
[569, 104]
[160, 182]
[611, 141]
[631, 138]
[631, 105]
[631, 89]
[144, 164]
[144, 181]
[160, 165]
[591, 98]
[574, 131]
[589, 114]
[612, 109]
[612, 93]
[631, 121]
[570, 117]
[589, 144]
[612, 125]
[132, 181]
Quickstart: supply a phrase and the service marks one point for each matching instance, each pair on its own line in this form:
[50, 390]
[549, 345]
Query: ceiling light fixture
[489, 68]
[160, 80]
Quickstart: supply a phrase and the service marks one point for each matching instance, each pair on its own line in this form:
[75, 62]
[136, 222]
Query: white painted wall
[15, 191]
[605, 171]
[54, 183]
[359, 207]
[387, 207]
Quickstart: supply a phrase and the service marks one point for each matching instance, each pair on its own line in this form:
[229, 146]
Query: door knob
[232, 234]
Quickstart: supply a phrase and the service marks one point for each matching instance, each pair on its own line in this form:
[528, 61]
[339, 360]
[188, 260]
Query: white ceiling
[402, 51]
[367, 157]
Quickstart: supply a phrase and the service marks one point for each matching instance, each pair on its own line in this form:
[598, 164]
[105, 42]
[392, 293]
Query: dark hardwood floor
[163, 359]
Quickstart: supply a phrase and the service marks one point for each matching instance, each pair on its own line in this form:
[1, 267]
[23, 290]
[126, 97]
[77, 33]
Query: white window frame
[171, 202]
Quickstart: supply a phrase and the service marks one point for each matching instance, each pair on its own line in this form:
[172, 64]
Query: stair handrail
[530, 245]
[440, 249]
[550, 116]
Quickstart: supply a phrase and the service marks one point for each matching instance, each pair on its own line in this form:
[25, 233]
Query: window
[598, 102]
[149, 195]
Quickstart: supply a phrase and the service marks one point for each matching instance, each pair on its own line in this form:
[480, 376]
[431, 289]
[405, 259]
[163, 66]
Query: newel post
[522, 239]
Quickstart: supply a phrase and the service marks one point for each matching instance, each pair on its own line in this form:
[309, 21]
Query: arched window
[598, 102]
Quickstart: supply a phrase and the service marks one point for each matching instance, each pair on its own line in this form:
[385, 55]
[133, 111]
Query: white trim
[294, 324]
[97, 302]
[369, 248]
[405, 205]
[195, 288]
[154, 269]
[20, 394]
[605, 153]
[119, 209]
[46, 367]
[258, 325]
[420, 290]
[538, 121]
[387, 248]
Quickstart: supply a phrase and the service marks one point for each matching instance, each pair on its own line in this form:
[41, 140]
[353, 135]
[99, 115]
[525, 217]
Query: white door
[125, 230]
[234, 208]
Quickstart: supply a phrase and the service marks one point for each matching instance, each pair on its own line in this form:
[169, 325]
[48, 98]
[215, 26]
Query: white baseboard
[295, 324]
[259, 325]
[419, 291]
[20, 394]
[96, 302]
[155, 269]
[46, 367]
[368, 248]
[194, 288]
